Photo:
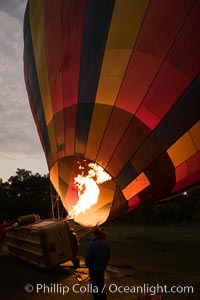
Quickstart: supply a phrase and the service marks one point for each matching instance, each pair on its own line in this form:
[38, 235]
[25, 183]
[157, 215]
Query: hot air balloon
[114, 90]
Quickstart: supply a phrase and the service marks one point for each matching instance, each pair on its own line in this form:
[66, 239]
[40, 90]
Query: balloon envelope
[116, 83]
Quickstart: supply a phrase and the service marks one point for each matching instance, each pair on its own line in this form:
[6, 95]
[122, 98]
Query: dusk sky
[19, 142]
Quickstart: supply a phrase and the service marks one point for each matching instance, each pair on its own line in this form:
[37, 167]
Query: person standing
[4, 227]
[75, 247]
[96, 260]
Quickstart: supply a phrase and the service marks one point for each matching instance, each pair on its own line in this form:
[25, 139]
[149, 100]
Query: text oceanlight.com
[58, 288]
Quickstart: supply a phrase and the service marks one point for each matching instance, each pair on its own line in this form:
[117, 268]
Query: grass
[158, 254]
[164, 255]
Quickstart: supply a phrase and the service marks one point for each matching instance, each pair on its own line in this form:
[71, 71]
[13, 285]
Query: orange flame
[88, 190]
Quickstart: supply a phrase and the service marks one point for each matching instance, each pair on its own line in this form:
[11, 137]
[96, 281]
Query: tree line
[183, 208]
[25, 193]
[28, 193]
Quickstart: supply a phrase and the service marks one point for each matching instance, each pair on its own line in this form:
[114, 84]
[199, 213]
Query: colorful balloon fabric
[116, 83]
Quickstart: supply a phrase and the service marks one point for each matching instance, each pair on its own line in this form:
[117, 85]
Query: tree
[27, 194]
[21, 175]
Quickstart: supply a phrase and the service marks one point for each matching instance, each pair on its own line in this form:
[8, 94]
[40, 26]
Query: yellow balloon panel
[182, 150]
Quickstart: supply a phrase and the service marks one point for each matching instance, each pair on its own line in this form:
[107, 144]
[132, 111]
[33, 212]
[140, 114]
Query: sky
[19, 141]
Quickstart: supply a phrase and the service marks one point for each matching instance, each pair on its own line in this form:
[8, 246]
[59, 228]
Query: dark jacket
[98, 255]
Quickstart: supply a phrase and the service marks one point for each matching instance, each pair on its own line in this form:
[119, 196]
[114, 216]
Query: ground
[145, 256]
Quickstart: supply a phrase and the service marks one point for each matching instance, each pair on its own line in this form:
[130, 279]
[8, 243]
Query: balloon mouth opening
[86, 190]
[88, 181]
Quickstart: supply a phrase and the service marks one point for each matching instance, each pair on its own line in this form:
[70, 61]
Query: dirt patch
[141, 257]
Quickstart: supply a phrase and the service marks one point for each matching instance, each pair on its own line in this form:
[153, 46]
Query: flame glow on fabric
[115, 83]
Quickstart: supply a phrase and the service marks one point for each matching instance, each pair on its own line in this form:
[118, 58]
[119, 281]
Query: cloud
[9, 165]
[14, 8]
[18, 135]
